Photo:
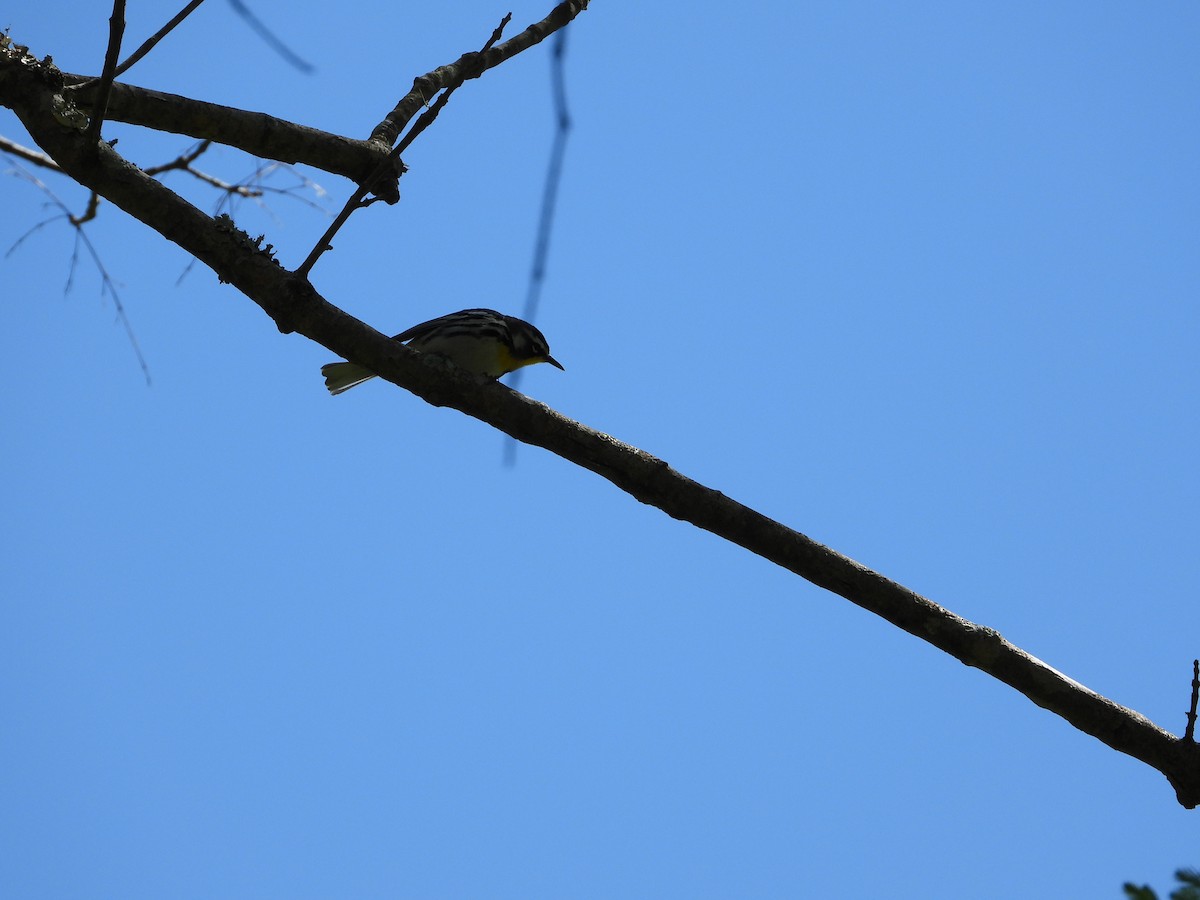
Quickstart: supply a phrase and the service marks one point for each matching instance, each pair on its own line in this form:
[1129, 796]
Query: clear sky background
[919, 280]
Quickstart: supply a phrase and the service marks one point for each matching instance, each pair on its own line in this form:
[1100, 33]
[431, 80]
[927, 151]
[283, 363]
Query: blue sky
[920, 281]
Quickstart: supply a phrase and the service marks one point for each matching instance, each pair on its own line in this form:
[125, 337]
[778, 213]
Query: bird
[480, 341]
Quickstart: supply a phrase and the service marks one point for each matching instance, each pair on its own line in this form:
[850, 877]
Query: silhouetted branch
[30, 156]
[116, 28]
[149, 43]
[107, 284]
[255, 133]
[470, 65]
[30, 88]
[358, 198]
[1189, 733]
[182, 162]
[89, 212]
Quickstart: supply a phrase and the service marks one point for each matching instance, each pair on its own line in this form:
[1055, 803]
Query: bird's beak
[554, 362]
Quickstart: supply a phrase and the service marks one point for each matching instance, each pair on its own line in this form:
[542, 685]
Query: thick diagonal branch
[294, 305]
[255, 133]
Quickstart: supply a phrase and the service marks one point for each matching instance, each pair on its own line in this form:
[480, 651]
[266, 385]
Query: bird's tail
[341, 376]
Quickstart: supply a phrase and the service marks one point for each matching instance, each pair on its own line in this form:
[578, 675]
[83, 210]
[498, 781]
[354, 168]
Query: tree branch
[116, 29]
[1189, 733]
[30, 156]
[356, 200]
[29, 87]
[269, 137]
[255, 133]
[77, 221]
[151, 41]
[471, 65]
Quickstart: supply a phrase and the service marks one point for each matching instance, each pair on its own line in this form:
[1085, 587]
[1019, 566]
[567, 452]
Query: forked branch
[294, 305]
[471, 65]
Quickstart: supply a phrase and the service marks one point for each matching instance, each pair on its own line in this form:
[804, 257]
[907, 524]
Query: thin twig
[261, 188]
[269, 36]
[357, 200]
[228, 200]
[116, 29]
[31, 156]
[1189, 733]
[16, 245]
[240, 190]
[454, 74]
[183, 161]
[146, 47]
[107, 285]
[89, 213]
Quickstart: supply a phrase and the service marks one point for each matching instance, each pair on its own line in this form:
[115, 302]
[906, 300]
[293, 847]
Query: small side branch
[89, 213]
[1189, 733]
[116, 30]
[255, 133]
[358, 199]
[107, 284]
[148, 45]
[183, 163]
[30, 156]
[471, 65]
[295, 306]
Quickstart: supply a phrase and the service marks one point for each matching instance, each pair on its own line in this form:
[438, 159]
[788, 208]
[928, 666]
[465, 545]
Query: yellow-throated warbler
[481, 341]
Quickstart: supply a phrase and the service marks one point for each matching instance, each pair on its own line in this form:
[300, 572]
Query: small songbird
[479, 341]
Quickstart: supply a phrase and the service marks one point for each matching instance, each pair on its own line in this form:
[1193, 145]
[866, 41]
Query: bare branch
[107, 284]
[30, 156]
[30, 88]
[89, 213]
[240, 190]
[16, 245]
[183, 161]
[148, 45]
[116, 29]
[471, 65]
[303, 183]
[357, 200]
[295, 306]
[258, 134]
[1189, 733]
